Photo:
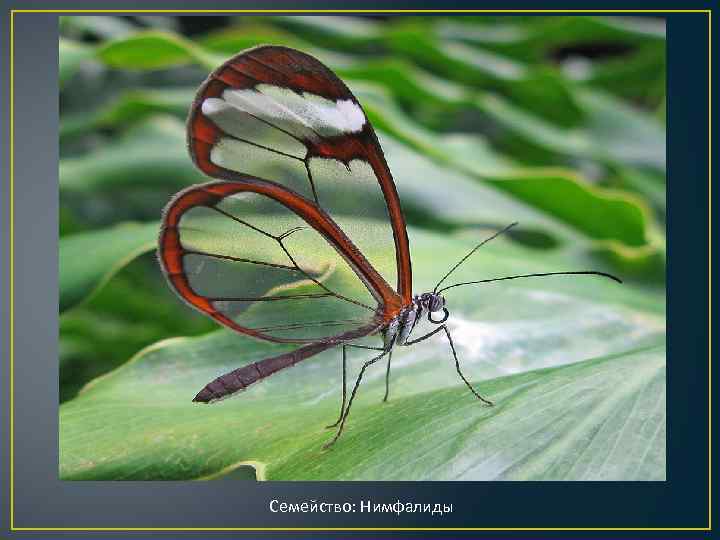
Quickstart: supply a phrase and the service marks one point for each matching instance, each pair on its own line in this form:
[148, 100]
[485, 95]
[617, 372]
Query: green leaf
[623, 133]
[631, 241]
[614, 132]
[348, 33]
[650, 184]
[89, 259]
[583, 205]
[155, 50]
[575, 367]
[128, 108]
[535, 40]
[230, 41]
[641, 77]
[159, 158]
[453, 60]
[536, 88]
[407, 83]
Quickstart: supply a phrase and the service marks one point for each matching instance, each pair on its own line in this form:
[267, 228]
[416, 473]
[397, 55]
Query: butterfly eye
[436, 303]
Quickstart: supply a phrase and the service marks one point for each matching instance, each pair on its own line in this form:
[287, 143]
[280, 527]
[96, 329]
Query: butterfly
[273, 247]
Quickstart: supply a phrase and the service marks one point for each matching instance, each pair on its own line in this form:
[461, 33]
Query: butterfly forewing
[279, 114]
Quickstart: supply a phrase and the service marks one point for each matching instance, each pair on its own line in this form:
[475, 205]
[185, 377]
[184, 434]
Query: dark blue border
[681, 501]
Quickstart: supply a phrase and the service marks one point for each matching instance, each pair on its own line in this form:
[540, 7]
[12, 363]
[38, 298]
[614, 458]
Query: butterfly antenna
[579, 272]
[473, 250]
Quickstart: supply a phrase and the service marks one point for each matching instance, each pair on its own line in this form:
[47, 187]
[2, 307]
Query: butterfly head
[433, 302]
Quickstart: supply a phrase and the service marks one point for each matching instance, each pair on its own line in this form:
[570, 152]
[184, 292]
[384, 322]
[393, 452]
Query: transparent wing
[266, 262]
[279, 114]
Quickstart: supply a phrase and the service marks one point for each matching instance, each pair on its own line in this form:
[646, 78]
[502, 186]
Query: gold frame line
[350, 11]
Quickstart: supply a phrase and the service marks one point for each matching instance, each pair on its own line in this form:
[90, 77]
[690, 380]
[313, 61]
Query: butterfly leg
[457, 367]
[344, 387]
[352, 396]
[387, 378]
[344, 375]
[457, 362]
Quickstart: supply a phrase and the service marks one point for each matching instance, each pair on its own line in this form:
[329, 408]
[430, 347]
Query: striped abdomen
[243, 377]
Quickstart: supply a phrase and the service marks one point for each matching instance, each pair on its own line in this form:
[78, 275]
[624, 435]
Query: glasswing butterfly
[268, 249]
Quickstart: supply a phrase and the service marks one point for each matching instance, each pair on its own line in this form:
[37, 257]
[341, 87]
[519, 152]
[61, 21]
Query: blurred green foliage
[556, 122]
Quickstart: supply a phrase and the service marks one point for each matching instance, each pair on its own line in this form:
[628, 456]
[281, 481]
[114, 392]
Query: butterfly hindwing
[268, 263]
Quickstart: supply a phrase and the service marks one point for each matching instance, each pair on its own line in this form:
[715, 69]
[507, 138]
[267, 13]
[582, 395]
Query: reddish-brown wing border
[171, 251]
[300, 72]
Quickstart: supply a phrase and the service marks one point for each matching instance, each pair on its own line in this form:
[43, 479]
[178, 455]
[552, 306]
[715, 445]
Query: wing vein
[320, 284]
[312, 182]
[239, 259]
[257, 145]
[242, 222]
[296, 326]
[269, 298]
